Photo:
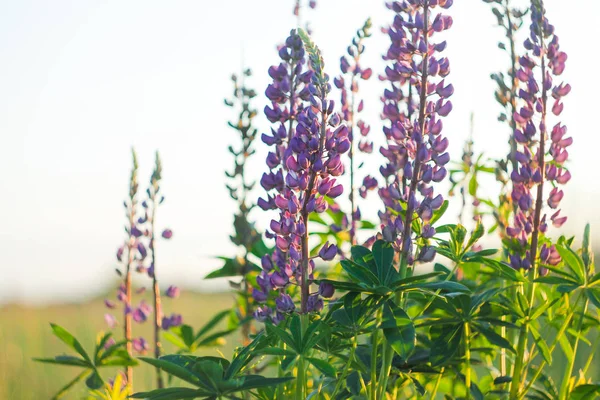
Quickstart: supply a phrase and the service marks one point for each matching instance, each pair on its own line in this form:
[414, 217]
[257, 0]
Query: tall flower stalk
[151, 206]
[348, 83]
[416, 151]
[288, 94]
[239, 186]
[541, 156]
[131, 244]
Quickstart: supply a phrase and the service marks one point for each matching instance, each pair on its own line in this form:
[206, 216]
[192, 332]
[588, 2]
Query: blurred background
[82, 82]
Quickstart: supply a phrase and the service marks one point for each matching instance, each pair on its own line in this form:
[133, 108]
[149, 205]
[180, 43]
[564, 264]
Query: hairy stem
[157, 300]
[467, 332]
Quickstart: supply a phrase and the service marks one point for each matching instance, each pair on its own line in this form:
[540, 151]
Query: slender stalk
[437, 384]
[566, 381]
[522, 344]
[417, 169]
[344, 374]
[467, 332]
[351, 155]
[157, 300]
[374, 354]
[301, 382]
[128, 293]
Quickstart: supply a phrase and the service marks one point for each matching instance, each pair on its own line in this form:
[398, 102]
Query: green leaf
[437, 214]
[243, 357]
[72, 383]
[212, 323]
[398, 329]
[275, 351]
[495, 339]
[283, 336]
[446, 345]
[70, 341]
[322, 366]
[384, 258]
[587, 254]
[359, 273]
[585, 391]
[541, 344]
[94, 381]
[504, 269]
[65, 360]
[255, 381]
[174, 393]
[173, 369]
[473, 185]
[573, 261]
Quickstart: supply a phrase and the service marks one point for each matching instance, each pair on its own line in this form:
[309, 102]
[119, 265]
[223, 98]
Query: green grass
[25, 333]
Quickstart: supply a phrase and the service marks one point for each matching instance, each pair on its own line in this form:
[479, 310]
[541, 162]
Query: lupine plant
[246, 236]
[422, 309]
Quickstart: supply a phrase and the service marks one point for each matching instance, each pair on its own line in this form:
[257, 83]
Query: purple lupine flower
[348, 83]
[261, 314]
[109, 304]
[540, 154]
[173, 292]
[416, 151]
[141, 313]
[120, 252]
[109, 343]
[140, 345]
[110, 320]
[326, 290]
[309, 155]
[172, 321]
[328, 251]
[167, 234]
[285, 304]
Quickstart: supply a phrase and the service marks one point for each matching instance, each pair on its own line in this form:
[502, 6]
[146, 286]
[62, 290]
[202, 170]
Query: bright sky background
[83, 81]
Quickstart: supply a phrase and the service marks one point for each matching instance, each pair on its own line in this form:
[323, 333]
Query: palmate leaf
[323, 366]
[446, 345]
[172, 368]
[70, 341]
[398, 329]
[573, 262]
[383, 253]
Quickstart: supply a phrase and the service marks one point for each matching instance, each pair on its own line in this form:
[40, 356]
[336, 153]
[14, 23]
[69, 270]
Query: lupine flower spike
[348, 83]
[239, 186]
[541, 152]
[416, 151]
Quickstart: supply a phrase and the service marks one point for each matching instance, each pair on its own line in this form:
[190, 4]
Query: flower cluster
[416, 151]
[312, 161]
[139, 253]
[535, 143]
[348, 83]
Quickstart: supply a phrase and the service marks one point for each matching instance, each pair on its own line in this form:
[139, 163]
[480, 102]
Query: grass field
[25, 333]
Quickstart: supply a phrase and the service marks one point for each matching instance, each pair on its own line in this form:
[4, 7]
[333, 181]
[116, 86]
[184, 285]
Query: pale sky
[83, 81]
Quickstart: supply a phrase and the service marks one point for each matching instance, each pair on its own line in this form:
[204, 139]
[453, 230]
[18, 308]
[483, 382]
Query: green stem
[523, 333]
[301, 378]
[566, 381]
[555, 342]
[437, 384]
[374, 348]
[467, 331]
[342, 377]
